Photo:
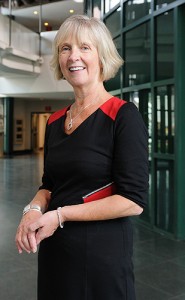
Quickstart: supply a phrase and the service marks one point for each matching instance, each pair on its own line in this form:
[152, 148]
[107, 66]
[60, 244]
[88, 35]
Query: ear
[101, 69]
[101, 66]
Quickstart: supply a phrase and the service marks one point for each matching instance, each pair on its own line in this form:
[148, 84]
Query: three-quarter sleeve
[130, 161]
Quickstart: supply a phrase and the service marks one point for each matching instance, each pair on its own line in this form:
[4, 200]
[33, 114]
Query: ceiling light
[46, 24]
[35, 12]
[71, 11]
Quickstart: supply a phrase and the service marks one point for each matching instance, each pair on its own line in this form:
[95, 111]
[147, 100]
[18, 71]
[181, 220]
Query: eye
[85, 47]
[64, 49]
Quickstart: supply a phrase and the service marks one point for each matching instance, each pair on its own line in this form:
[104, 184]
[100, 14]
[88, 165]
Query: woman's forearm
[111, 207]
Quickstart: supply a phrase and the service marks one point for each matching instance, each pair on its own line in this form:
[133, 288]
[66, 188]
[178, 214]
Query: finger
[24, 244]
[21, 241]
[17, 242]
[41, 235]
[18, 247]
[32, 242]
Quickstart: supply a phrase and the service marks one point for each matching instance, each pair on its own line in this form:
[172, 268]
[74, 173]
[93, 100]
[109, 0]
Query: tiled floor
[159, 262]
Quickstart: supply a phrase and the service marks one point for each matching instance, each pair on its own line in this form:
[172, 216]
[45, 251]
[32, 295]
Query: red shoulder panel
[112, 106]
[58, 114]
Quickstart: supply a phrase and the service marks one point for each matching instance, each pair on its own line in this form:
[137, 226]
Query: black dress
[107, 153]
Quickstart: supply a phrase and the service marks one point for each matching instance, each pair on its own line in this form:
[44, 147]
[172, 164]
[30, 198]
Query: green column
[180, 121]
[8, 135]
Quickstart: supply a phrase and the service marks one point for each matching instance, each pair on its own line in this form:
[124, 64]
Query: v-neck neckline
[81, 124]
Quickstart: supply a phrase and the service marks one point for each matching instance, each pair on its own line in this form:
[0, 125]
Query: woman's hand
[34, 228]
[26, 239]
[45, 226]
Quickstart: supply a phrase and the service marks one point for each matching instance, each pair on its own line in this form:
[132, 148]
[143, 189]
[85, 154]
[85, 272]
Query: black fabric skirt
[87, 261]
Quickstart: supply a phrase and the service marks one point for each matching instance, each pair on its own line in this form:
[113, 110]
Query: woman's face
[79, 63]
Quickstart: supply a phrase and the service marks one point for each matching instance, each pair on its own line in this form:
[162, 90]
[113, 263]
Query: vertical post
[10, 22]
[8, 123]
[40, 27]
[153, 103]
[1, 127]
[179, 119]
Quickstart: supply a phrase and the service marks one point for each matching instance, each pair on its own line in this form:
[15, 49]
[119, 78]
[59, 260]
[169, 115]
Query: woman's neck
[85, 96]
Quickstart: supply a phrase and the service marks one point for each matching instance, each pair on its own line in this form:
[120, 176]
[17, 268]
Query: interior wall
[23, 109]
[28, 86]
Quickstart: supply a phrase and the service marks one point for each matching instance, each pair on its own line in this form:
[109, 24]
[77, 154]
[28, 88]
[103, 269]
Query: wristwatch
[31, 207]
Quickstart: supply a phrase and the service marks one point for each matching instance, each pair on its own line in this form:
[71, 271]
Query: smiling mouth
[73, 69]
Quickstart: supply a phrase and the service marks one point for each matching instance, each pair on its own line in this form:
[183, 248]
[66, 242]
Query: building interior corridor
[159, 261]
[149, 35]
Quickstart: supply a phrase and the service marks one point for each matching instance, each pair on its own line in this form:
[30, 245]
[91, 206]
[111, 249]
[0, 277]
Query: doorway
[38, 124]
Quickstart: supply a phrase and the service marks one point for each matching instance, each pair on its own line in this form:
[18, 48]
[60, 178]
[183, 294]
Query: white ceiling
[53, 13]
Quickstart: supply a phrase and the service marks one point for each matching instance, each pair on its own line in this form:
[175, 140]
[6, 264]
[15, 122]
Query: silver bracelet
[36, 209]
[59, 218]
[31, 207]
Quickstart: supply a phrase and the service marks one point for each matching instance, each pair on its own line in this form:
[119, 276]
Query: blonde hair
[79, 26]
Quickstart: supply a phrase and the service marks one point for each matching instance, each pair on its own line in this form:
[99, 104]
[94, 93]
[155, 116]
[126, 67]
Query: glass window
[145, 108]
[165, 119]
[136, 9]
[109, 4]
[113, 22]
[142, 99]
[164, 46]
[162, 3]
[137, 55]
[164, 215]
[114, 83]
[96, 9]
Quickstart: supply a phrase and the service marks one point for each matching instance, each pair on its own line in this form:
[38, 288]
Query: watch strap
[31, 207]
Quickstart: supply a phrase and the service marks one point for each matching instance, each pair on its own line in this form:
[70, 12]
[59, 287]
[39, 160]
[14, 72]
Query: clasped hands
[34, 228]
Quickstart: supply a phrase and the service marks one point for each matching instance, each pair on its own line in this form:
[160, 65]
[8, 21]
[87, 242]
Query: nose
[74, 54]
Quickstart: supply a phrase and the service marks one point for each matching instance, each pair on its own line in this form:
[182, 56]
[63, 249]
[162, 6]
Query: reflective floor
[159, 262]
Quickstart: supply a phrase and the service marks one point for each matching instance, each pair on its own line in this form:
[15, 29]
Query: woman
[95, 177]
